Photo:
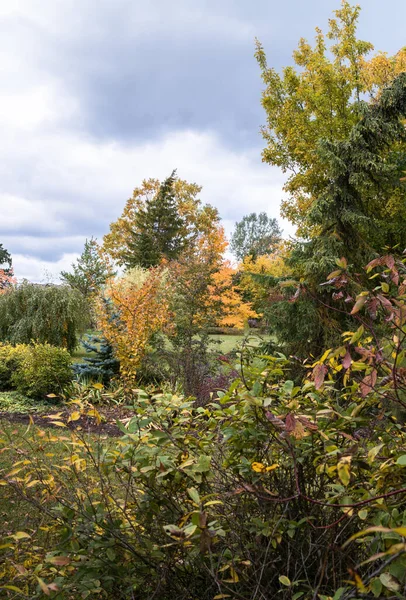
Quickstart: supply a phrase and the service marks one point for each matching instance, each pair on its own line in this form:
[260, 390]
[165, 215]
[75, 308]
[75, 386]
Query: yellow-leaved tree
[232, 310]
[258, 276]
[318, 98]
[133, 308]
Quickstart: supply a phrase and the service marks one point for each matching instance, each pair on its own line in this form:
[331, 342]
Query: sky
[96, 95]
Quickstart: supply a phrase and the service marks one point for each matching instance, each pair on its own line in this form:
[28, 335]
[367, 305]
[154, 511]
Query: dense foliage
[43, 313]
[320, 99]
[36, 370]
[271, 490]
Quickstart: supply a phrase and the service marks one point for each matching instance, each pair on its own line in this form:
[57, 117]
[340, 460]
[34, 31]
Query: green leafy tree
[43, 313]
[320, 99]
[90, 272]
[159, 230]
[255, 235]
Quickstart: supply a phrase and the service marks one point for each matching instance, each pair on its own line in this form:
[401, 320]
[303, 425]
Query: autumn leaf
[368, 383]
[347, 360]
[294, 427]
[319, 374]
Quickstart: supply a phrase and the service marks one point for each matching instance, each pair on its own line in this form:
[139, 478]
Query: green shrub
[43, 370]
[10, 358]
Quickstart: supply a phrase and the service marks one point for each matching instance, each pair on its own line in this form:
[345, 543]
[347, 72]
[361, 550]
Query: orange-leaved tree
[133, 309]
[233, 311]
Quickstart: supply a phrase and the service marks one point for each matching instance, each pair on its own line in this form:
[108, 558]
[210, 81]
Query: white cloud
[61, 185]
[97, 178]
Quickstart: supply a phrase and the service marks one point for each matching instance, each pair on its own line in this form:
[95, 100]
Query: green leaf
[203, 464]
[376, 587]
[13, 588]
[194, 494]
[389, 582]
[401, 460]
[284, 580]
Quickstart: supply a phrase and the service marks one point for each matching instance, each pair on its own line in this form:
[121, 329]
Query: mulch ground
[107, 427]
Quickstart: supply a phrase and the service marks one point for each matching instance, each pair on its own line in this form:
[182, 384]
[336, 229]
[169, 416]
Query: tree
[135, 309]
[158, 231]
[201, 229]
[255, 235]
[90, 272]
[232, 310]
[6, 270]
[43, 313]
[100, 365]
[320, 100]
[257, 277]
[351, 217]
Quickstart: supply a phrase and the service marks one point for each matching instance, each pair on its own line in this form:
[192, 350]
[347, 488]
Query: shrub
[10, 359]
[275, 490]
[44, 369]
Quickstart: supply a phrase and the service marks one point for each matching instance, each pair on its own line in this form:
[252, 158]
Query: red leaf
[368, 383]
[319, 374]
[293, 427]
[376, 262]
[389, 261]
[308, 424]
[347, 360]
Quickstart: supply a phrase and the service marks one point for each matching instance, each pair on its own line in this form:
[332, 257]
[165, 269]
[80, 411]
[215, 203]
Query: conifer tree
[159, 230]
[89, 273]
[351, 217]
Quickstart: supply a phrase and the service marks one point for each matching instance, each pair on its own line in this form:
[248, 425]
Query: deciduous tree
[320, 99]
[255, 235]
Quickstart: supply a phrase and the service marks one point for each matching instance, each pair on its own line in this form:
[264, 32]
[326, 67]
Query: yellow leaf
[20, 535]
[74, 416]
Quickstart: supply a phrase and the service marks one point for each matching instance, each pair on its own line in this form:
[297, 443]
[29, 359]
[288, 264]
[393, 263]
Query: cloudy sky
[97, 95]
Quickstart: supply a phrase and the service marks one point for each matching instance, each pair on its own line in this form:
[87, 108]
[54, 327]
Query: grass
[16, 402]
[224, 343]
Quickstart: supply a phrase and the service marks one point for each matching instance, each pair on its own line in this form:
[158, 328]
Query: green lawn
[225, 343]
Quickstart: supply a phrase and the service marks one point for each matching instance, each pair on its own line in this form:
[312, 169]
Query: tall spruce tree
[351, 216]
[159, 230]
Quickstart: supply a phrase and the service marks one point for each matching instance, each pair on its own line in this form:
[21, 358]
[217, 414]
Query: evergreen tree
[159, 230]
[255, 235]
[89, 273]
[351, 217]
[102, 365]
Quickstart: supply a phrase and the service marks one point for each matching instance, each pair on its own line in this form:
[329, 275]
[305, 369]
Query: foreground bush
[34, 370]
[274, 490]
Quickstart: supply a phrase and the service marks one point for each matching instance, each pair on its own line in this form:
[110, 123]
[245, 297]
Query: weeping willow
[43, 313]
